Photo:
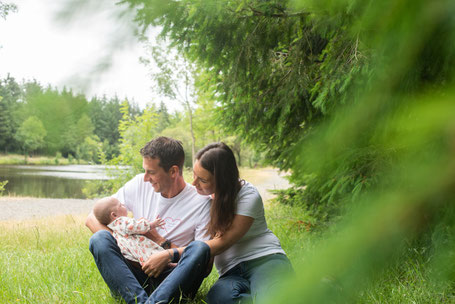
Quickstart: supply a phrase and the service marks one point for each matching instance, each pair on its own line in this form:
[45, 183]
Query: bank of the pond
[21, 208]
[17, 159]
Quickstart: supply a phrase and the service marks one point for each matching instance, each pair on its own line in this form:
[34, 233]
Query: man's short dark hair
[169, 151]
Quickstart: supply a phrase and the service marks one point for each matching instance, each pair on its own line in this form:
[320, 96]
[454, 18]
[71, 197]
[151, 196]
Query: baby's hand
[157, 223]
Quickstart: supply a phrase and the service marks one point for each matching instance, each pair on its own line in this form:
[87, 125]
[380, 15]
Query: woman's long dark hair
[218, 159]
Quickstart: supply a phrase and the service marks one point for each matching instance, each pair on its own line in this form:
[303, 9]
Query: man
[160, 192]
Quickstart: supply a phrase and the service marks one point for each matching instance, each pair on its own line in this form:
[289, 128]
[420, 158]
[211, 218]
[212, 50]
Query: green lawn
[48, 261]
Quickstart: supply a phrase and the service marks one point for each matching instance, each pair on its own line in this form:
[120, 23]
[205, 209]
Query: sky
[94, 54]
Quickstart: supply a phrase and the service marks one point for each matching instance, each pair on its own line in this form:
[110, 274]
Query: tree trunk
[193, 139]
[190, 116]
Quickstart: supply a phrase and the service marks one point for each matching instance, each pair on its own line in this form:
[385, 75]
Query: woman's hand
[156, 263]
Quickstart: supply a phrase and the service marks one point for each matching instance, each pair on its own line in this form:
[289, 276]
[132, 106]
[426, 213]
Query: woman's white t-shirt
[259, 241]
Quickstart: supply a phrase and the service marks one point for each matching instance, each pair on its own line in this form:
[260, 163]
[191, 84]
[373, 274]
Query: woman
[248, 256]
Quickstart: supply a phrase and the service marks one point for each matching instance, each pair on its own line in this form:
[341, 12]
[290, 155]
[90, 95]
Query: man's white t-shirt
[186, 215]
[259, 241]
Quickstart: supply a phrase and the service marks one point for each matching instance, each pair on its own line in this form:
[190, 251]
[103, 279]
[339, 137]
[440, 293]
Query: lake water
[50, 181]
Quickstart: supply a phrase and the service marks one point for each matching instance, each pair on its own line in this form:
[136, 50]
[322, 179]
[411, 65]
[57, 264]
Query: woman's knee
[220, 293]
[229, 290]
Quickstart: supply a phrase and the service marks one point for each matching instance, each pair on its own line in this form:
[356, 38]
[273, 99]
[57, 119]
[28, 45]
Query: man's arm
[92, 223]
[157, 238]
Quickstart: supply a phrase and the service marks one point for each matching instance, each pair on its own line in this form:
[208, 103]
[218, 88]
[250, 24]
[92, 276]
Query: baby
[127, 231]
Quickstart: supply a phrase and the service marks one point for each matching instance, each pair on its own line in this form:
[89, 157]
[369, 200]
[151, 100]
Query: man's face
[154, 174]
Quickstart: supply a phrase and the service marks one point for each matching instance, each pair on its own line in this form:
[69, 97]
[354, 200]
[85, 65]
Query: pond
[50, 181]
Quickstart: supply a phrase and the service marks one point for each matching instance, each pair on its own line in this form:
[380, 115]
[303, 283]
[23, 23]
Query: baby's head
[108, 209]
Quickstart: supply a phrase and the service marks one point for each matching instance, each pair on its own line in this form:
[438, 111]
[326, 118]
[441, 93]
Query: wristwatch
[166, 244]
[176, 256]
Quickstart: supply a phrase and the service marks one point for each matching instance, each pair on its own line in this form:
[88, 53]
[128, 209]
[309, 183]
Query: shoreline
[25, 208]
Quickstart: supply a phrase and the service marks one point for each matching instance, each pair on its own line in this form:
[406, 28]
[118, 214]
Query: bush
[2, 186]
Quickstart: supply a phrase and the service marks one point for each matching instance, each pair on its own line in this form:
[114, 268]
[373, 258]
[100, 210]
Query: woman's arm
[158, 261]
[240, 226]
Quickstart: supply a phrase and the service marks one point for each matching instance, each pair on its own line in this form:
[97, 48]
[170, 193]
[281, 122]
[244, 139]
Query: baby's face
[120, 210]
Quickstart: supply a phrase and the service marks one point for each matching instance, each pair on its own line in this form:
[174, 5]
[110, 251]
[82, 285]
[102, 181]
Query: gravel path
[20, 208]
[271, 179]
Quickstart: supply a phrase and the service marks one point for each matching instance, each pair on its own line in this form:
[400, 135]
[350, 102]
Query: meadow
[47, 261]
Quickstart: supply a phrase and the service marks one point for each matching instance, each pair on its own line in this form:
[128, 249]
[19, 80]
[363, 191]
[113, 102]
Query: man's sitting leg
[185, 280]
[118, 275]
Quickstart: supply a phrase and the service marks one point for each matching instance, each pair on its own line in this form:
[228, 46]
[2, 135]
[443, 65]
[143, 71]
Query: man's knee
[100, 240]
[198, 249]
[198, 246]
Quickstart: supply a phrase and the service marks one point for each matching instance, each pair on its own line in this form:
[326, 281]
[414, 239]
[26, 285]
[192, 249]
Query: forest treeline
[47, 121]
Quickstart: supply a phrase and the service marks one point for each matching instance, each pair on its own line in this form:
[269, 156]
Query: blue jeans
[134, 286]
[250, 281]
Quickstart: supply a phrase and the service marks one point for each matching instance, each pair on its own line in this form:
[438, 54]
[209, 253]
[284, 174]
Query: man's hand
[156, 263]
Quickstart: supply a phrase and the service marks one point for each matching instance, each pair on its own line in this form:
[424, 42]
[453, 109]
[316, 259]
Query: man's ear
[174, 171]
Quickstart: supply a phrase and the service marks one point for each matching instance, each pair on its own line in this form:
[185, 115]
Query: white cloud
[34, 45]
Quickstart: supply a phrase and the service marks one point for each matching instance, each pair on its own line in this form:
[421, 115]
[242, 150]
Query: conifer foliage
[356, 98]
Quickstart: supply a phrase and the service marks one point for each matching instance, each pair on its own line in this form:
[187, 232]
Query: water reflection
[71, 171]
[51, 181]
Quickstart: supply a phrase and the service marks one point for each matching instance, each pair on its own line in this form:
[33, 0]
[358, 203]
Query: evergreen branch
[258, 13]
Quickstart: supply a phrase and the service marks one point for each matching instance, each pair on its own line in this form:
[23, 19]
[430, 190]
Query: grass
[410, 280]
[17, 159]
[48, 261]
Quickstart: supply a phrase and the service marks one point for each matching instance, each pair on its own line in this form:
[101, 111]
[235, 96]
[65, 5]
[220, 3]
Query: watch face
[166, 244]
[176, 256]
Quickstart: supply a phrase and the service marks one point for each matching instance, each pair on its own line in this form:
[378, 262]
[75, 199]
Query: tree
[89, 149]
[58, 111]
[164, 119]
[105, 115]
[5, 127]
[31, 135]
[356, 98]
[174, 79]
[10, 94]
[6, 8]
[264, 62]
[135, 132]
